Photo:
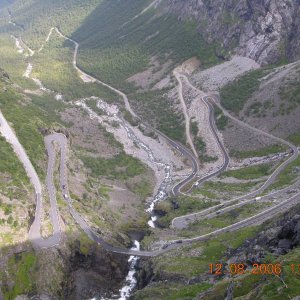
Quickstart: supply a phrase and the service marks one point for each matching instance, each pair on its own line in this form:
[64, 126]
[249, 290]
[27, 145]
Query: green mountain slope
[37, 17]
[114, 48]
[114, 45]
[114, 42]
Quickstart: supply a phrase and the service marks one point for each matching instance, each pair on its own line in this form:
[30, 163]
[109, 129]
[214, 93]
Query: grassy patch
[220, 119]
[103, 191]
[287, 176]
[139, 224]
[289, 91]
[201, 149]
[252, 172]
[221, 187]
[121, 166]
[21, 267]
[85, 243]
[183, 263]
[12, 171]
[171, 292]
[291, 279]
[188, 266]
[144, 189]
[295, 138]
[246, 285]
[199, 143]
[223, 220]
[235, 94]
[259, 152]
[185, 204]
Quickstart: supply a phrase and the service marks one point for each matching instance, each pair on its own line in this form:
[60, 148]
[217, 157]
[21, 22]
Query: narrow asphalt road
[93, 79]
[35, 229]
[176, 190]
[62, 142]
[183, 221]
[191, 157]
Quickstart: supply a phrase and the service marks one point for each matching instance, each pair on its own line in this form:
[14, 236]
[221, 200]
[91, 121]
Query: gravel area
[214, 78]
[154, 74]
[161, 150]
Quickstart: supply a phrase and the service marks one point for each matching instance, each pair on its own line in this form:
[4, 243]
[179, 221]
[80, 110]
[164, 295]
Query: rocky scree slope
[267, 31]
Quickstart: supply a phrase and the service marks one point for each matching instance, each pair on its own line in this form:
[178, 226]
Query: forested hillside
[115, 48]
[121, 48]
[37, 17]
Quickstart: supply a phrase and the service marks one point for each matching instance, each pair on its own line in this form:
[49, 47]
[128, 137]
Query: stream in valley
[113, 114]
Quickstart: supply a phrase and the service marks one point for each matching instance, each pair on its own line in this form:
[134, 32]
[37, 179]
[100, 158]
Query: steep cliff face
[265, 30]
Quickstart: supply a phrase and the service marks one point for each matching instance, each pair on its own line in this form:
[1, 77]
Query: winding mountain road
[214, 133]
[183, 221]
[185, 113]
[89, 78]
[61, 140]
[35, 229]
[182, 149]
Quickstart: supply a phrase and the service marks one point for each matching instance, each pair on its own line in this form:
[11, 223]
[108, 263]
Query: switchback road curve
[62, 142]
[182, 149]
[181, 221]
[35, 229]
[84, 225]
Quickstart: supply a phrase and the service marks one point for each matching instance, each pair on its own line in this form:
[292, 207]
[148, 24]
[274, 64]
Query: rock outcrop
[267, 31]
[278, 238]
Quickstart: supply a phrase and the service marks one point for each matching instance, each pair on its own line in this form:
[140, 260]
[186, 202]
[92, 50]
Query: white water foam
[28, 71]
[18, 44]
[131, 281]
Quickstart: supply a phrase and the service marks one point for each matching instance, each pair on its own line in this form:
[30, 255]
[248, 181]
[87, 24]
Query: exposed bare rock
[214, 78]
[265, 31]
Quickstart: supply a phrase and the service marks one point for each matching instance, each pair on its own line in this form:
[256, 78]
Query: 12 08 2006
[241, 268]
